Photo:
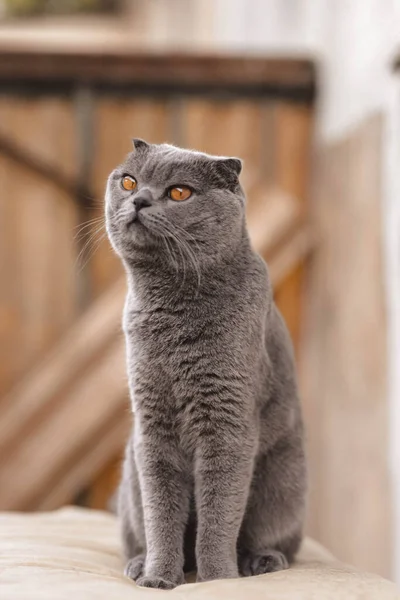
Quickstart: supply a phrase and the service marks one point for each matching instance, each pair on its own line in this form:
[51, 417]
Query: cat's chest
[156, 325]
[166, 336]
[144, 323]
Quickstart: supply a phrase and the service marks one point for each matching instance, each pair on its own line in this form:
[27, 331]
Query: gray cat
[214, 475]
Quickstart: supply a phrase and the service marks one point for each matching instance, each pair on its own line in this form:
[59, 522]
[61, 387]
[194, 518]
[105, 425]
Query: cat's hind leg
[268, 560]
[271, 531]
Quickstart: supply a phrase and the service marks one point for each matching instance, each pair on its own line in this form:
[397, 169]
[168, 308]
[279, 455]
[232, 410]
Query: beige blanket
[75, 554]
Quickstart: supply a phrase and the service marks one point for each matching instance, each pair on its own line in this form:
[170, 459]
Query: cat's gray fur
[214, 473]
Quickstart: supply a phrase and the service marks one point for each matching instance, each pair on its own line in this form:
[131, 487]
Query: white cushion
[75, 554]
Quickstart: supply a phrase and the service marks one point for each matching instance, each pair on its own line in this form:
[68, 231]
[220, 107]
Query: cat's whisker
[87, 243]
[169, 252]
[160, 226]
[182, 245]
[85, 228]
[182, 255]
[89, 222]
[190, 252]
[94, 201]
[92, 237]
[187, 239]
[93, 250]
[166, 242]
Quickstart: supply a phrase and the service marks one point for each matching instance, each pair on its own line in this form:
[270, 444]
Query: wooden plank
[17, 153]
[89, 405]
[291, 256]
[288, 297]
[234, 128]
[293, 130]
[47, 250]
[38, 239]
[88, 467]
[80, 346]
[101, 491]
[344, 354]
[169, 69]
[36, 254]
[63, 300]
[31, 250]
[10, 325]
[52, 120]
[292, 155]
[271, 217]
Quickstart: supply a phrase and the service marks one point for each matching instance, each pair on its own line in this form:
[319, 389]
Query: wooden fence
[65, 122]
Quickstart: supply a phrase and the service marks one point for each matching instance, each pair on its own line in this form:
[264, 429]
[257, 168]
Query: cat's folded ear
[233, 165]
[229, 169]
[140, 145]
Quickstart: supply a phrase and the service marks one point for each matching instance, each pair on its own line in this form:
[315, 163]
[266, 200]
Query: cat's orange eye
[128, 183]
[179, 193]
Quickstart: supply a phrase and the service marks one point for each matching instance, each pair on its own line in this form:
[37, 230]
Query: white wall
[392, 248]
[289, 27]
[356, 52]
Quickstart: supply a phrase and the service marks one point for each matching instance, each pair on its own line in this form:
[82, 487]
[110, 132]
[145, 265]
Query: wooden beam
[270, 217]
[52, 450]
[297, 248]
[28, 160]
[156, 69]
[88, 464]
[293, 126]
[343, 368]
[31, 399]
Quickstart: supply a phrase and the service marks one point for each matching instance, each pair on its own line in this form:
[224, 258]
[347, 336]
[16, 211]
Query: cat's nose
[143, 199]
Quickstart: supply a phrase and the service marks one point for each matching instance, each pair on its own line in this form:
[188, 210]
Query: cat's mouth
[137, 224]
[134, 218]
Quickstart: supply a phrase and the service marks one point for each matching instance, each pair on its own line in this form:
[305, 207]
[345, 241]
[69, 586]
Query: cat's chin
[138, 238]
[137, 231]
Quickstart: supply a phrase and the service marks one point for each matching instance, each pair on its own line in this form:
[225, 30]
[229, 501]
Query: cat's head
[170, 202]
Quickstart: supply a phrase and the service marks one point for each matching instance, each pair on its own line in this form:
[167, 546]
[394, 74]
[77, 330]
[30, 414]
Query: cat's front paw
[156, 582]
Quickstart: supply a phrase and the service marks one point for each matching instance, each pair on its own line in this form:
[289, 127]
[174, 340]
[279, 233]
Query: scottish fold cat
[214, 476]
